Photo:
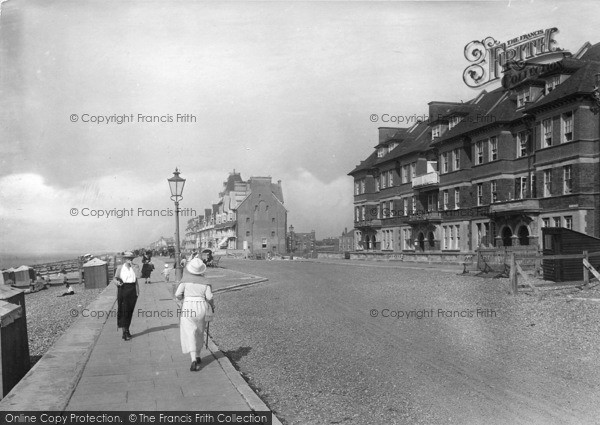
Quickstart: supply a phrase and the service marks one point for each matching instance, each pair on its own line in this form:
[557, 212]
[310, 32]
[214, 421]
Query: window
[264, 242]
[356, 188]
[522, 144]
[479, 152]
[247, 219]
[556, 221]
[567, 126]
[383, 179]
[273, 233]
[377, 185]
[480, 194]
[568, 222]
[381, 152]
[247, 232]
[405, 205]
[523, 97]
[521, 188]
[457, 238]
[390, 178]
[378, 211]
[436, 131]
[363, 212]
[454, 121]
[547, 183]
[431, 202]
[362, 186]
[456, 158]
[545, 222]
[445, 162]
[494, 191]
[413, 170]
[552, 83]
[547, 133]
[456, 198]
[405, 174]
[479, 234]
[414, 204]
[493, 148]
[273, 220]
[357, 214]
[408, 244]
[392, 145]
[567, 180]
[446, 201]
[444, 237]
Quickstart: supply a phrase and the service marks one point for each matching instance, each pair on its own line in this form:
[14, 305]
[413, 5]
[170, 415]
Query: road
[372, 344]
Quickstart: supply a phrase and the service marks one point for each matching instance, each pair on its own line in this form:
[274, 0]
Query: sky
[280, 89]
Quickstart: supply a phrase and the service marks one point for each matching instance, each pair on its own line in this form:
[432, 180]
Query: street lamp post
[176, 184]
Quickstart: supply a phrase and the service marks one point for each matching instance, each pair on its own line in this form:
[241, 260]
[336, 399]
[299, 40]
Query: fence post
[513, 274]
[586, 271]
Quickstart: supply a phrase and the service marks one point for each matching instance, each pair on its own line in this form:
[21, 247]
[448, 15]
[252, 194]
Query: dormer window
[523, 96]
[552, 83]
[436, 131]
[454, 120]
[381, 152]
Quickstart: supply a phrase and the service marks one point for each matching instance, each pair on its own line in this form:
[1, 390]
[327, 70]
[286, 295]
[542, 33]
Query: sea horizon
[9, 259]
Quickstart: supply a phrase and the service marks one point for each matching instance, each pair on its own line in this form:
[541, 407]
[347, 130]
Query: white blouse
[196, 290]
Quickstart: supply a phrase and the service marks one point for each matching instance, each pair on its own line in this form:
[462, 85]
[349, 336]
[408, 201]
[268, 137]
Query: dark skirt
[146, 271]
[126, 299]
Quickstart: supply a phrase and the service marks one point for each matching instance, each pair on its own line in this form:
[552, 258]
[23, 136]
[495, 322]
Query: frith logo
[489, 58]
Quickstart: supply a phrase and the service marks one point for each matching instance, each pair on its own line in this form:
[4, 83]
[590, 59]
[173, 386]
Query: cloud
[315, 205]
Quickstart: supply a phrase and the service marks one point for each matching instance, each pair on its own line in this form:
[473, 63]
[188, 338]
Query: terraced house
[489, 172]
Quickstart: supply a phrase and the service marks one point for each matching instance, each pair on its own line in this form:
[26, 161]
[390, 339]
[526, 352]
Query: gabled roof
[490, 108]
[581, 82]
[366, 164]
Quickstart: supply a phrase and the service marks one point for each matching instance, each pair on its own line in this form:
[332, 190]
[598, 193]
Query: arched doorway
[431, 240]
[523, 235]
[374, 242]
[507, 236]
[368, 242]
[421, 239]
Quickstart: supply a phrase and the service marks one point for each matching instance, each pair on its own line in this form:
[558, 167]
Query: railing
[426, 180]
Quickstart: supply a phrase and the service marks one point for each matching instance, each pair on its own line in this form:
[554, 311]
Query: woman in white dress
[197, 304]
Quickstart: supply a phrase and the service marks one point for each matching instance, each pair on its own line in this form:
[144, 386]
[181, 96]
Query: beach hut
[14, 344]
[95, 274]
[24, 275]
[9, 276]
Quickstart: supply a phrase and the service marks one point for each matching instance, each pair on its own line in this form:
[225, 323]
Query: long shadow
[237, 354]
[156, 329]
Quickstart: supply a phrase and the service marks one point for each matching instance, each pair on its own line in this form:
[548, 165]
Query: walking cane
[207, 334]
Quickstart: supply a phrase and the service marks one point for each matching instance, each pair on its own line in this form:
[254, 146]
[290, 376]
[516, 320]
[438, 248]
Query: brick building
[249, 215]
[298, 242]
[491, 171]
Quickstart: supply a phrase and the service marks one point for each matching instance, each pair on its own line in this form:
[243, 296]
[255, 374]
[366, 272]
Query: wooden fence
[516, 268]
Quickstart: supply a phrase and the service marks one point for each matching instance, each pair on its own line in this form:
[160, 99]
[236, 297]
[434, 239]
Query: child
[166, 272]
[70, 290]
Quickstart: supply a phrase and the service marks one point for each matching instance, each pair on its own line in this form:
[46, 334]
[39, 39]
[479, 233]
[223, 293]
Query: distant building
[191, 240]
[300, 242]
[328, 245]
[347, 240]
[163, 244]
[249, 215]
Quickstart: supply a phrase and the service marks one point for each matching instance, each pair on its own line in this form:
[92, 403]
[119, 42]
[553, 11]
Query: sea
[8, 260]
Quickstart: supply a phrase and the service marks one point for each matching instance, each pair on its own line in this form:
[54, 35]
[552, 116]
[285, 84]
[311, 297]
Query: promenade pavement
[92, 368]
